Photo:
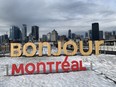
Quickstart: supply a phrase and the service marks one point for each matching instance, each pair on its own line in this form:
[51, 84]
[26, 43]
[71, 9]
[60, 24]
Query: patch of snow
[105, 64]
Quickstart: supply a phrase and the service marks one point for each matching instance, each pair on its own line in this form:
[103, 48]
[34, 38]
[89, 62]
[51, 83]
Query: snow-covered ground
[103, 66]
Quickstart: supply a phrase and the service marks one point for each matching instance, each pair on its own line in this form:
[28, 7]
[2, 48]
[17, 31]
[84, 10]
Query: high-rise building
[24, 32]
[82, 37]
[114, 33]
[101, 35]
[0, 39]
[73, 36]
[69, 34]
[15, 34]
[90, 34]
[30, 38]
[108, 35]
[95, 31]
[49, 36]
[86, 35]
[35, 33]
[54, 36]
[4, 39]
[44, 38]
[62, 38]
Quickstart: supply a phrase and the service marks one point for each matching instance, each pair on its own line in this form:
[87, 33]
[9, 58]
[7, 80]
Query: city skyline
[29, 30]
[20, 35]
[76, 15]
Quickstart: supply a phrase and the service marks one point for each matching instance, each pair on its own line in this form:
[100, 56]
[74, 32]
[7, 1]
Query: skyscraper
[86, 35]
[0, 39]
[114, 33]
[44, 37]
[69, 34]
[4, 39]
[90, 34]
[73, 36]
[108, 35]
[35, 33]
[54, 36]
[49, 36]
[24, 32]
[101, 35]
[95, 31]
[15, 34]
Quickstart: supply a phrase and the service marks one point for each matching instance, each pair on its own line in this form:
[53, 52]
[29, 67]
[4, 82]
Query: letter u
[89, 49]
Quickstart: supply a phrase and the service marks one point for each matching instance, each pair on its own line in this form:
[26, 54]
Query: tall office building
[86, 35]
[69, 34]
[90, 34]
[114, 33]
[44, 38]
[15, 34]
[73, 36]
[54, 36]
[108, 35]
[24, 32]
[49, 36]
[4, 39]
[0, 39]
[95, 31]
[101, 35]
[35, 33]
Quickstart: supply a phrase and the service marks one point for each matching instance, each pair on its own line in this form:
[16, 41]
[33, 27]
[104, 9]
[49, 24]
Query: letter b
[15, 50]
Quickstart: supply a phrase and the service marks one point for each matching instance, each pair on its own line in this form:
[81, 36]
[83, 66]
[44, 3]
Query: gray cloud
[57, 14]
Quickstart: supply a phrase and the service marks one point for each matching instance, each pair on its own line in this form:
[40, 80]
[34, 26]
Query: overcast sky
[61, 15]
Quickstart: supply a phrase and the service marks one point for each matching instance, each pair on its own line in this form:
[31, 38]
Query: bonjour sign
[18, 50]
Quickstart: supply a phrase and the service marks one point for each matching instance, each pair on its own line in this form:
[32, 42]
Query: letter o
[30, 71]
[70, 43]
[33, 51]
